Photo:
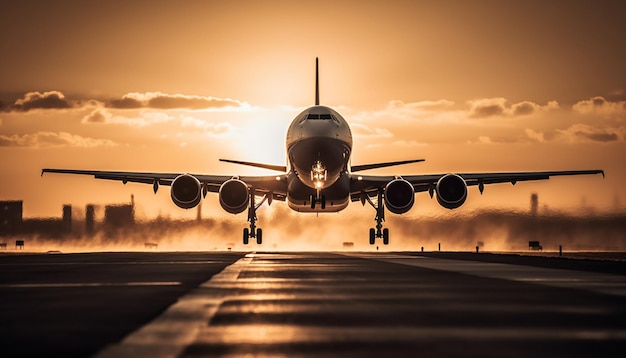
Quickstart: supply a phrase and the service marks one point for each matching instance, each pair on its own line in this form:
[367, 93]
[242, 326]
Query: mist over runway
[311, 304]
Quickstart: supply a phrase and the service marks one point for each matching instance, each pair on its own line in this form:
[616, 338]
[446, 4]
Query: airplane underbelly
[331, 155]
[336, 197]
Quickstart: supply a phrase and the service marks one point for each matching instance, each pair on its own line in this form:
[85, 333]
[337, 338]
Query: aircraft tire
[246, 236]
[386, 236]
[372, 236]
[259, 236]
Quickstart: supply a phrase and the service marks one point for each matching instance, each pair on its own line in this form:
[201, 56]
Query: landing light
[318, 174]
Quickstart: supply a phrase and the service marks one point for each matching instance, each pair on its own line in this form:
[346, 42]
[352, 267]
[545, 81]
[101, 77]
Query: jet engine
[234, 196]
[399, 196]
[186, 191]
[451, 191]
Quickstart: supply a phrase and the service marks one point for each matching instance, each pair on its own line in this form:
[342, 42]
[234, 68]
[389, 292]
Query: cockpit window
[316, 116]
[320, 116]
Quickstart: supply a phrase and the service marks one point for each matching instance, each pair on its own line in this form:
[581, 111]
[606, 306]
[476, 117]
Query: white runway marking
[177, 327]
[591, 281]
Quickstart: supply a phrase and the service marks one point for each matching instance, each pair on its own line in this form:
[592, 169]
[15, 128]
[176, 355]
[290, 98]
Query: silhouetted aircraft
[319, 178]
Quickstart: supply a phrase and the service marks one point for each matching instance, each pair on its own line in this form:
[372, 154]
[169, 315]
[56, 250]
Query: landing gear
[247, 236]
[253, 231]
[379, 232]
[318, 200]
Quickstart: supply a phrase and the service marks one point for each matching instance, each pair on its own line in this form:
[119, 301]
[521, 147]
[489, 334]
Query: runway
[311, 304]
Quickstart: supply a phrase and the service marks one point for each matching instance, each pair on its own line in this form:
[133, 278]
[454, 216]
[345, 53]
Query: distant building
[118, 216]
[10, 217]
[534, 203]
[67, 218]
[90, 214]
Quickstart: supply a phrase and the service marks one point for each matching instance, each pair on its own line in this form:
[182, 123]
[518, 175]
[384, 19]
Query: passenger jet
[319, 178]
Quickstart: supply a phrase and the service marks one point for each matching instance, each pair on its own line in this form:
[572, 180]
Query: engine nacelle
[234, 196]
[186, 191]
[399, 196]
[451, 191]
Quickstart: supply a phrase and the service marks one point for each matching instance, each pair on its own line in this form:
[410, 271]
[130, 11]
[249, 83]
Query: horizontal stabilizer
[279, 168]
[357, 168]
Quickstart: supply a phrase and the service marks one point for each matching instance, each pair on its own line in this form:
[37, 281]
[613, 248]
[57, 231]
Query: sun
[262, 138]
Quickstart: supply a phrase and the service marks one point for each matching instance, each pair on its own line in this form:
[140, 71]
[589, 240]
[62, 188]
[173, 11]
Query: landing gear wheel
[386, 236]
[259, 236]
[372, 236]
[246, 236]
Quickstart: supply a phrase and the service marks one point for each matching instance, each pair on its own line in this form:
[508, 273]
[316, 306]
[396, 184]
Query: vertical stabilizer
[317, 84]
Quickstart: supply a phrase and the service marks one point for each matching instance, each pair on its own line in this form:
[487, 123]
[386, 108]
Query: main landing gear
[254, 232]
[379, 232]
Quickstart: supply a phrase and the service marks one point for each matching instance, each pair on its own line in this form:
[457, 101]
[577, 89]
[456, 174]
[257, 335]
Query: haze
[469, 86]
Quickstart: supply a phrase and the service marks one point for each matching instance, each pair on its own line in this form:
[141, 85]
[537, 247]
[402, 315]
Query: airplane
[319, 178]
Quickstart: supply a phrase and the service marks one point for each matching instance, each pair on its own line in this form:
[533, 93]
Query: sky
[172, 86]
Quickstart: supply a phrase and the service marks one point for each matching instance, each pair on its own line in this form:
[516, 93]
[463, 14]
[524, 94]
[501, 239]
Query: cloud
[397, 105]
[490, 107]
[98, 115]
[578, 133]
[409, 143]
[125, 102]
[535, 136]
[52, 140]
[599, 104]
[38, 100]
[487, 107]
[145, 118]
[159, 100]
[208, 127]
[585, 133]
[363, 131]
[134, 100]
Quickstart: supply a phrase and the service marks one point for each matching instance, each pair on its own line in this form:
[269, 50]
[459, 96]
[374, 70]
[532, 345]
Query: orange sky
[173, 86]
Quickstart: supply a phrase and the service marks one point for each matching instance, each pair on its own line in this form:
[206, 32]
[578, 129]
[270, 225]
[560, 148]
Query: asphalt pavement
[310, 304]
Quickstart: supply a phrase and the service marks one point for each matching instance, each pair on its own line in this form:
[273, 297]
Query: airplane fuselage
[319, 144]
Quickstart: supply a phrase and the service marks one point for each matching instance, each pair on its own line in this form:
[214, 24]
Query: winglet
[317, 84]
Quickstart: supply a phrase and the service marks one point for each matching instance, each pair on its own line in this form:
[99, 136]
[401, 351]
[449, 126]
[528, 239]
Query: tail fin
[317, 84]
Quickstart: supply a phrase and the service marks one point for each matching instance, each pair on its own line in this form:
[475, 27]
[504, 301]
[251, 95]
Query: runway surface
[310, 304]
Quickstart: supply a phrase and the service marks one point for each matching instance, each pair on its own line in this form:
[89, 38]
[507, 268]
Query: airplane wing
[276, 184]
[370, 184]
